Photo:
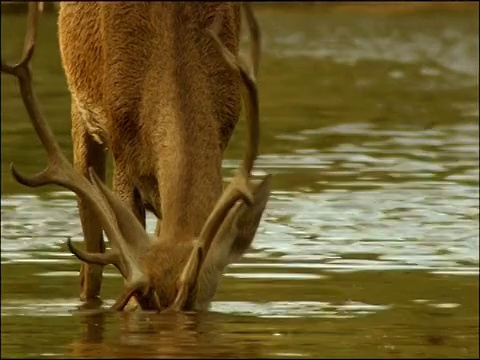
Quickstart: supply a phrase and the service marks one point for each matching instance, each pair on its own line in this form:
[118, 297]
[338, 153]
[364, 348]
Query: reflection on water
[369, 244]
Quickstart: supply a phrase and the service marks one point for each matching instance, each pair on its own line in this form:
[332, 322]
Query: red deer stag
[164, 121]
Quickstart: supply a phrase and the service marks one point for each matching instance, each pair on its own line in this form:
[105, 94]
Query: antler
[255, 38]
[239, 186]
[121, 226]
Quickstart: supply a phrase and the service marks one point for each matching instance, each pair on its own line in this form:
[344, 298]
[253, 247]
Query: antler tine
[124, 257]
[108, 258]
[238, 188]
[255, 37]
[29, 44]
[58, 171]
[128, 223]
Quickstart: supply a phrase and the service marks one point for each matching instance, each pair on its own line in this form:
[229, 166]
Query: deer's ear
[249, 218]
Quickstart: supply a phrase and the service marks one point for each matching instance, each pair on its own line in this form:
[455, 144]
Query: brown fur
[148, 84]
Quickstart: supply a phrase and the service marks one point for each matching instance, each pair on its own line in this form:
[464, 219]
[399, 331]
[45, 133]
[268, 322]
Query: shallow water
[369, 244]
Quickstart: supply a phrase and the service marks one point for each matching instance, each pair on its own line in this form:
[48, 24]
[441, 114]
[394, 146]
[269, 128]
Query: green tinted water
[369, 244]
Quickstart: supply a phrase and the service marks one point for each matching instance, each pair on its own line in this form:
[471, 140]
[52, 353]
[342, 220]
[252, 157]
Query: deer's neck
[187, 97]
[190, 180]
[198, 96]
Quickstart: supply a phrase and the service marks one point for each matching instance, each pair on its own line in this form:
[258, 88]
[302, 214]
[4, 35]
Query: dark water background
[369, 244]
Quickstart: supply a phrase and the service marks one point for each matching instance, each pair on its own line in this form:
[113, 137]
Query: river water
[369, 243]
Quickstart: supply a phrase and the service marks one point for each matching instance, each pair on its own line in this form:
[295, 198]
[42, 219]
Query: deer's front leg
[88, 153]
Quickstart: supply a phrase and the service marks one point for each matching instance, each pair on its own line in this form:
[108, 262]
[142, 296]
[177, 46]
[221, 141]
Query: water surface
[369, 244]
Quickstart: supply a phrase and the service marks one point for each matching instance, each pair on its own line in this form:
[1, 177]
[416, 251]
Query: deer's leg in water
[88, 153]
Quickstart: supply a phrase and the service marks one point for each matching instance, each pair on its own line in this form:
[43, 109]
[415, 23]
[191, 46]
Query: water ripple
[274, 309]
[426, 218]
